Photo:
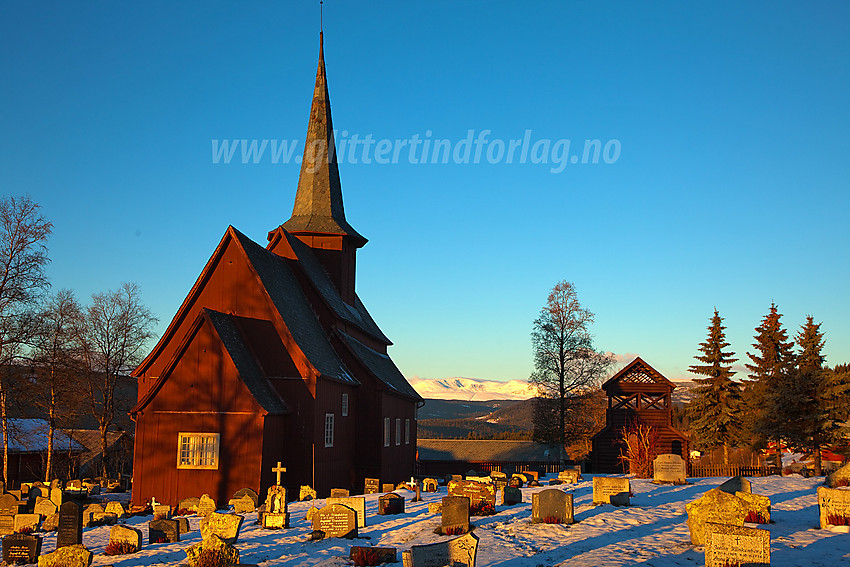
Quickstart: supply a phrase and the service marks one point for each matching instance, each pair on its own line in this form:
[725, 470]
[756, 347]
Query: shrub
[160, 539]
[366, 557]
[119, 548]
[837, 520]
[183, 512]
[639, 446]
[25, 530]
[551, 520]
[456, 530]
[482, 509]
[754, 517]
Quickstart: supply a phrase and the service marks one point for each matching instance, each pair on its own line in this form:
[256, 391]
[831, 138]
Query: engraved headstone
[70, 530]
[45, 507]
[189, 504]
[356, 503]
[163, 531]
[371, 486]
[732, 545]
[306, 493]
[206, 505]
[339, 493]
[834, 507]
[251, 494]
[162, 511]
[182, 525]
[430, 485]
[552, 506]
[115, 507]
[225, 526]
[244, 505]
[50, 523]
[121, 534]
[611, 490]
[56, 496]
[67, 556]
[458, 552]
[90, 512]
[21, 548]
[455, 512]
[27, 522]
[480, 494]
[387, 487]
[8, 505]
[390, 504]
[669, 467]
[570, 476]
[7, 525]
[336, 520]
[717, 506]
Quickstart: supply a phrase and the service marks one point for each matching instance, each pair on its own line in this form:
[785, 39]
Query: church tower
[318, 217]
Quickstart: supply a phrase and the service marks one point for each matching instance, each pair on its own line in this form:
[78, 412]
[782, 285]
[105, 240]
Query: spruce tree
[834, 399]
[810, 427]
[771, 369]
[714, 412]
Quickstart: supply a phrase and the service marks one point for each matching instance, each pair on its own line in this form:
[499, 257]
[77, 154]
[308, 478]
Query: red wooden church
[638, 392]
[273, 357]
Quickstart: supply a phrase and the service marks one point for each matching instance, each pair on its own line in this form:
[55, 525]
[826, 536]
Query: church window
[197, 450]
[329, 430]
[344, 405]
[398, 431]
[386, 432]
[407, 432]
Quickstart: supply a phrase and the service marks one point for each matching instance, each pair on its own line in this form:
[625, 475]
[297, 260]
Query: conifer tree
[770, 371]
[715, 410]
[834, 401]
[810, 425]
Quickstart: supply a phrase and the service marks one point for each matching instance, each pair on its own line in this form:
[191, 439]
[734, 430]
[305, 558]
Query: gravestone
[115, 507]
[455, 512]
[390, 504]
[339, 493]
[206, 505]
[8, 505]
[275, 500]
[736, 484]
[479, 478]
[27, 522]
[225, 526]
[336, 520]
[669, 467]
[552, 506]
[50, 523]
[387, 488]
[306, 493]
[430, 485]
[70, 530]
[183, 525]
[611, 490]
[275, 521]
[435, 507]
[479, 493]
[190, 504]
[162, 511]
[126, 535]
[226, 553]
[163, 531]
[90, 512]
[244, 505]
[56, 496]
[516, 482]
[379, 554]
[418, 497]
[732, 545]
[21, 548]
[531, 475]
[371, 486]
[7, 525]
[356, 503]
[570, 476]
[834, 507]
[840, 477]
[45, 508]
[458, 552]
[251, 494]
[511, 496]
[717, 506]
[67, 556]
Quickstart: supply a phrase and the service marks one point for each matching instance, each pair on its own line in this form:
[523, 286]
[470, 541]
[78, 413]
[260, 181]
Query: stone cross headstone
[336, 520]
[834, 507]
[371, 486]
[224, 526]
[163, 531]
[356, 503]
[611, 490]
[732, 545]
[552, 506]
[125, 534]
[70, 530]
[669, 467]
[455, 515]
[459, 552]
[390, 504]
[339, 493]
[21, 548]
[278, 470]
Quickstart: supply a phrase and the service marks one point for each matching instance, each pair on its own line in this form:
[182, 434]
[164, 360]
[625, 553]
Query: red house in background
[638, 392]
[273, 357]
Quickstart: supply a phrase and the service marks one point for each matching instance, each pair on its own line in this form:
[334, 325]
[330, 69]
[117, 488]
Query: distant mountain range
[471, 389]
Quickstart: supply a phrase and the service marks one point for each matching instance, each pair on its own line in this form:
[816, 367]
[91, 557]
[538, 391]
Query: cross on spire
[277, 470]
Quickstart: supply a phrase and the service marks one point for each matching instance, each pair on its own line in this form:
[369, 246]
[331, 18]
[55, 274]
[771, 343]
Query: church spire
[318, 202]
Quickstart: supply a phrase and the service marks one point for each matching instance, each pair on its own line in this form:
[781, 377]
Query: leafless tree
[113, 337]
[56, 356]
[23, 256]
[566, 366]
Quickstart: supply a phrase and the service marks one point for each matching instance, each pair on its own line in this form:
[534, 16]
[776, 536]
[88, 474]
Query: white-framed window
[197, 450]
[344, 405]
[398, 431]
[386, 432]
[407, 431]
[329, 430]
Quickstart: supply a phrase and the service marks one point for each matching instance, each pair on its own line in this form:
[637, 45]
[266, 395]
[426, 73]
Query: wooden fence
[700, 471]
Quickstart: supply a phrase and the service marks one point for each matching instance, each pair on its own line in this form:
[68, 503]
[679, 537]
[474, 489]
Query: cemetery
[776, 520]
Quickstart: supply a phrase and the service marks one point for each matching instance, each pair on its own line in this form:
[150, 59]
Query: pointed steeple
[318, 201]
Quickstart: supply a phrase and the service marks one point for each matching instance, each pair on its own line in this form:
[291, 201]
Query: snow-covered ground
[651, 532]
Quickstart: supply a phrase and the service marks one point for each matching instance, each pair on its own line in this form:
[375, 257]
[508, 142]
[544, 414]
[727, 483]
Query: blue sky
[730, 188]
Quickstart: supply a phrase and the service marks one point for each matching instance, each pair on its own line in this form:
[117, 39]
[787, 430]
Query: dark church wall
[335, 467]
[398, 461]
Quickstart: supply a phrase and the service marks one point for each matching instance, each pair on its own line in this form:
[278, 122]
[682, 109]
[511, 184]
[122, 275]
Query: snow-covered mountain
[471, 389]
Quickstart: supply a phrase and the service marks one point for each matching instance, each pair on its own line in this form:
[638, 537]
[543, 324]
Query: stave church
[272, 357]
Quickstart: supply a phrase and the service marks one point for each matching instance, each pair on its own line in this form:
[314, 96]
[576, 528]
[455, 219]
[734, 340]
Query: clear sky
[728, 187]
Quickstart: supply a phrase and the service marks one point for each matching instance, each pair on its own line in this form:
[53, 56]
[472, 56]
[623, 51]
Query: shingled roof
[488, 451]
[381, 366]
